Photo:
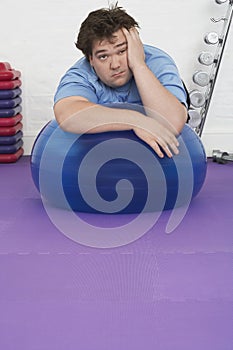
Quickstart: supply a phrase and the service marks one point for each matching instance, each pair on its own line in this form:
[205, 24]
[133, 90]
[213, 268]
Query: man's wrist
[139, 67]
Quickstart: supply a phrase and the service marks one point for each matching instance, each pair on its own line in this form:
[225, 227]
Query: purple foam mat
[10, 103]
[9, 140]
[5, 94]
[11, 148]
[163, 291]
[10, 112]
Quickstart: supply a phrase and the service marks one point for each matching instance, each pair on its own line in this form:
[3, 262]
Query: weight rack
[200, 102]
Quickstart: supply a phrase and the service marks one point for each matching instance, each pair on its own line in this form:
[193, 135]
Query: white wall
[37, 38]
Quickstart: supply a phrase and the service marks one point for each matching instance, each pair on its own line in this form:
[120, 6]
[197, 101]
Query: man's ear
[91, 60]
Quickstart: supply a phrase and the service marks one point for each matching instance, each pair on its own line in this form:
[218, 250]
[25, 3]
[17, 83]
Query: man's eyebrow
[100, 51]
[116, 46]
[121, 44]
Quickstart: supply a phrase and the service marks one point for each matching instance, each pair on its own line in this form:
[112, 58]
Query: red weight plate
[11, 130]
[11, 158]
[11, 121]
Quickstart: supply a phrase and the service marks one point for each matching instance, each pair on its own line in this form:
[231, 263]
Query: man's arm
[154, 96]
[77, 115]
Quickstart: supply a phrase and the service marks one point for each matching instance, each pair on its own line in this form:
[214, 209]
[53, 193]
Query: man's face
[109, 60]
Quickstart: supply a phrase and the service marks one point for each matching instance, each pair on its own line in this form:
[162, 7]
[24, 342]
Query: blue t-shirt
[81, 80]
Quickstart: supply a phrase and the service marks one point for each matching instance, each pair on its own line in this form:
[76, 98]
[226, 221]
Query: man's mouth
[118, 74]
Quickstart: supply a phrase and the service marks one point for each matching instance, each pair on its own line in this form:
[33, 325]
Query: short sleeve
[166, 71]
[77, 81]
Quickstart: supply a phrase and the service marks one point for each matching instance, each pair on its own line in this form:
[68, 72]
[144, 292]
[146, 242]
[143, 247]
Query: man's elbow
[61, 119]
[182, 119]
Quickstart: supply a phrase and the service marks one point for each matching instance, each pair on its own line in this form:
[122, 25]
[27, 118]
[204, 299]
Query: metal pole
[222, 44]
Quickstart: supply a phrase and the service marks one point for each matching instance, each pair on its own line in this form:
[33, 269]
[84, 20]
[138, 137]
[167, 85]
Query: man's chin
[119, 83]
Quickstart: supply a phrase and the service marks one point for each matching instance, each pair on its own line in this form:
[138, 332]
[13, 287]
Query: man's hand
[158, 137]
[136, 55]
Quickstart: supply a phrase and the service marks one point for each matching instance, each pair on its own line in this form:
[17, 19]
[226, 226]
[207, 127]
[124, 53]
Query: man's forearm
[81, 117]
[86, 117]
[156, 97]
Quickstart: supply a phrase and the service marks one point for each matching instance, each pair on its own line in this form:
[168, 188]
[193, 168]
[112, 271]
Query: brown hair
[101, 24]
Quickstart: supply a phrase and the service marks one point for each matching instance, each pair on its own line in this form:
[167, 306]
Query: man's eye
[122, 51]
[102, 57]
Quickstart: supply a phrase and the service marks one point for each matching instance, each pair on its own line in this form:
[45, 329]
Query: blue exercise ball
[119, 172]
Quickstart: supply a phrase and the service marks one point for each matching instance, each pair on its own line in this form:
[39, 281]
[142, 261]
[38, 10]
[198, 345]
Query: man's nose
[115, 62]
